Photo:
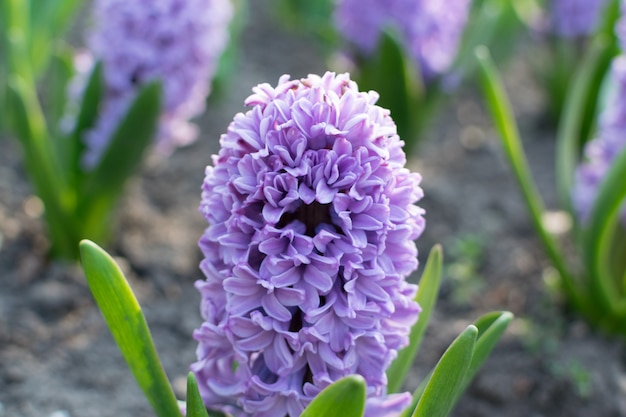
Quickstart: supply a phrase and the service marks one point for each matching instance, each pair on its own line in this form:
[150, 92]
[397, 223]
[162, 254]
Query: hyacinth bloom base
[312, 221]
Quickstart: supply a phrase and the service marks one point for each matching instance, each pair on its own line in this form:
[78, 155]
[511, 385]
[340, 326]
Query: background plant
[597, 289]
[81, 144]
[565, 29]
[392, 56]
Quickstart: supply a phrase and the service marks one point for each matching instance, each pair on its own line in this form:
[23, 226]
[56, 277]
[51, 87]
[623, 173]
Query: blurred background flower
[177, 42]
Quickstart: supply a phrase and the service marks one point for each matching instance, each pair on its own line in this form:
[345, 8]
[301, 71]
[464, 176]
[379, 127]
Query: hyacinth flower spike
[310, 240]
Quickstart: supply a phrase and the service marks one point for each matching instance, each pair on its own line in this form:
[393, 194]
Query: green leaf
[60, 73]
[128, 327]
[27, 120]
[448, 378]
[310, 17]
[87, 117]
[426, 298]
[43, 165]
[502, 115]
[195, 405]
[49, 20]
[579, 114]
[343, 398]
[490, 327]
[603, 223]
[128, 144]
[102, 187]
[398, 81]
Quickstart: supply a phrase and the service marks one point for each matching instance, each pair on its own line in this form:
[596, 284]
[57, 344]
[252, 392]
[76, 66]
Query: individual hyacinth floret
[574, 18]
[603, 150]
[178, 42]
[429, 29]
[312, 221]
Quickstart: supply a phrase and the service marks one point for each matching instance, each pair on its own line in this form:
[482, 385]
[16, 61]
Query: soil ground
[57, 358]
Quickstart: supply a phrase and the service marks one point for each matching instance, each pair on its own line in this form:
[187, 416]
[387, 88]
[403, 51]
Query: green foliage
[426, 297]
[559, 55]
[344, 398]
[446, 382]
[494, 23]
[394, 75]
[310, 17]
[579, 113]
[598, 293]
[465, 356]
[77, 203]
[128, 326]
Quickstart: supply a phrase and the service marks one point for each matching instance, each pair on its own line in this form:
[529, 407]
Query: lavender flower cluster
[574, 18]
[312, 221]
[430, 29]
[602, 151]
[178, 42]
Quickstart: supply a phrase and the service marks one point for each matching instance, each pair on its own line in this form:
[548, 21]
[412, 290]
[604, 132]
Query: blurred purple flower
[600, 152]
[573, 18]
[312, 221]
[178, 42]
[430, 29]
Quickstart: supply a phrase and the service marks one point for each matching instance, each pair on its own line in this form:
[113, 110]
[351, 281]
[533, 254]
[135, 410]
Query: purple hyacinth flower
[178, 42]
[312, 221]
[429, 29]
[574, 18]
[600, 152]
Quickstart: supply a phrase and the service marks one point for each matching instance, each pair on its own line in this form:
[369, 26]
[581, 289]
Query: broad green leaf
[398, 81]
[195, 405]
[579, 113]
[343, 398]
[49, 20]
[16, 33]
[490, 327]
[103, 186]
[608, 21]
[502, 116]
[60, 73]
[128, 326]
[448, 378]
[133, 135]
[86, 119]
[599, 237]
[426, 298]
[42, 165]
